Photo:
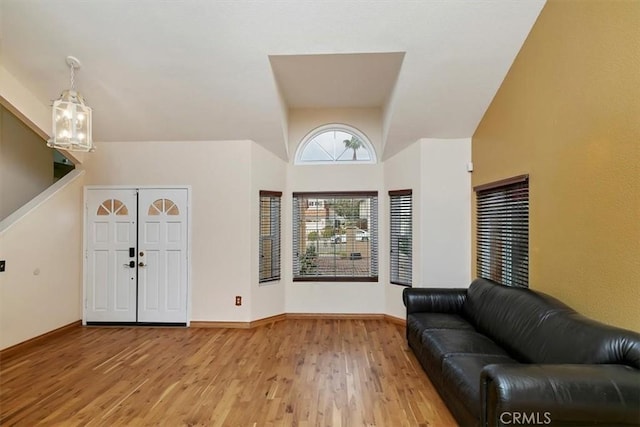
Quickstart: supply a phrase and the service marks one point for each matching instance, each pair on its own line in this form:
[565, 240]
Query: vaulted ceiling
[231, 70]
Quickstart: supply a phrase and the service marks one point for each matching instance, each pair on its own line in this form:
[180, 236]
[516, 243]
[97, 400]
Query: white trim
[189, 224]
[337, 127]
[84, 255]
[45, 195]
[137, 187]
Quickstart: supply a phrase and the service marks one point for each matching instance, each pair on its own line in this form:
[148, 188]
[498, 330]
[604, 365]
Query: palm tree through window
[335, 144]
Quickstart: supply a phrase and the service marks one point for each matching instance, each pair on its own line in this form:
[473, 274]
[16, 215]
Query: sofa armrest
[434, 300]
[560, 395]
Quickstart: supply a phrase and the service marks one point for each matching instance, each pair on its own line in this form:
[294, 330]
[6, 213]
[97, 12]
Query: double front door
[136, 256]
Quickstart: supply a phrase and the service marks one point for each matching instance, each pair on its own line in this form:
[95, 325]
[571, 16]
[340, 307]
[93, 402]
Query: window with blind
[269, 264]
[503, 231]
[401, 264]
[335, 236]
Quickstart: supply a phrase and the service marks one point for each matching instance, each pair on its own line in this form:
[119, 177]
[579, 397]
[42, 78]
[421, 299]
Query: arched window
[335, 144]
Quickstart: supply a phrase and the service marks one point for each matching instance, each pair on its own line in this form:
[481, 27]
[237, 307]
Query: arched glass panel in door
[112, 207]
[163, 206]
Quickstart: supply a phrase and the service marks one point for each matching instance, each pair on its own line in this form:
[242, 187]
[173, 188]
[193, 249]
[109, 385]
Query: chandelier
[71, 118]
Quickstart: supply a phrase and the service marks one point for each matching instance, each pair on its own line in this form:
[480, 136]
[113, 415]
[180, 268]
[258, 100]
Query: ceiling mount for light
[71, 117]
[73, 62]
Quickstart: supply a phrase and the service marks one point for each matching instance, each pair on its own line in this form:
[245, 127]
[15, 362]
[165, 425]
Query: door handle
[131, 264]
[142, 264]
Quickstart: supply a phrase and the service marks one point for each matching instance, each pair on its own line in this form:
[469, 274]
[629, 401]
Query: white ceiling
[363, 80]
[223, 70]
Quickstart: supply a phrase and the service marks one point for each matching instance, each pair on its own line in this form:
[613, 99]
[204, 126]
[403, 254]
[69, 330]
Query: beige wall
[42, 242]
[334, 297]
[13, 93]
[446, 212]
[219, 173]
[268, 172]
[568, 114]
[403, 172]
[26, 163]
[436, 171]
[41, 288]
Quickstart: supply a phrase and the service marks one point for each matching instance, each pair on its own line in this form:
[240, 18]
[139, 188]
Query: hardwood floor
[296, 372]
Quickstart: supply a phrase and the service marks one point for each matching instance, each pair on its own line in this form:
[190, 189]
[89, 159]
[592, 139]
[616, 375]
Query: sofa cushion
[461, 376]
[511, 316]
[438, 343]
[422, 321]
[537, 328]
[417, 323]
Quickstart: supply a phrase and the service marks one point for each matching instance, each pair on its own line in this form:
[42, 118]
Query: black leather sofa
[504, 356]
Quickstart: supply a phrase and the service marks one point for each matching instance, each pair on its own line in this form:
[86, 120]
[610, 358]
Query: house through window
[335, 236]
[502, 251]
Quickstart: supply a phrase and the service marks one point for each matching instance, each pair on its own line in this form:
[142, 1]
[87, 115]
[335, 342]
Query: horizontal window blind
[335, 236]
[503, 232]
[401, 237]
[269, 263]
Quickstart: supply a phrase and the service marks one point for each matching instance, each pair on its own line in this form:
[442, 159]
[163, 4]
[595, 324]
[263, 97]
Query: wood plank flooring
[296, 372]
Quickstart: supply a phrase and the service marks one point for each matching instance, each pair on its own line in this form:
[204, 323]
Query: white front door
[136, 258]
[162, 250]
[111, 234]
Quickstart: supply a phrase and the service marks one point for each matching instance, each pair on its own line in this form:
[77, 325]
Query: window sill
[335, 279]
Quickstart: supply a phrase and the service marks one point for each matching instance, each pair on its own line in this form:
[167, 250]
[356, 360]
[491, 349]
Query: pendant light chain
[73, 74]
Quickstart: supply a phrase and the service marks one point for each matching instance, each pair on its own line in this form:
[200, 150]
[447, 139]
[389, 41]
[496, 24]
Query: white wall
[225, 177]
[332, 297]
[446, 213]
[435, 169]
[219, 174]
[268, 172]
[41, 242]
[403, 172]
[41, 287]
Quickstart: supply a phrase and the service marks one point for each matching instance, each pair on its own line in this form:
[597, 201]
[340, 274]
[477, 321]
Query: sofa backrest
[537, 328]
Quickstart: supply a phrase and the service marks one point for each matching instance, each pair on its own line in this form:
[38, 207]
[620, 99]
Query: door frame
[85, 253]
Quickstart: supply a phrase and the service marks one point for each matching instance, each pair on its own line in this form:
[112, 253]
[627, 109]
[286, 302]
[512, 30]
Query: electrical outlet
[238, 300]
[3, 265]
